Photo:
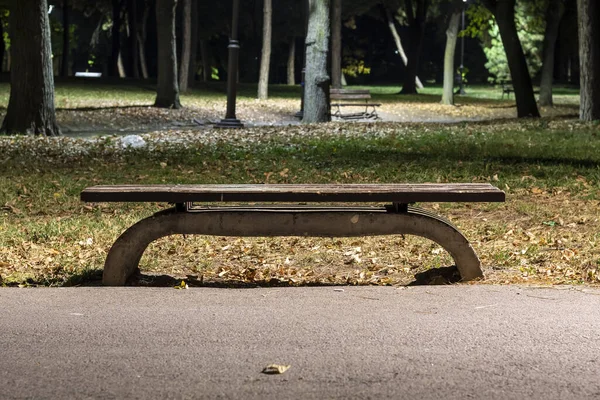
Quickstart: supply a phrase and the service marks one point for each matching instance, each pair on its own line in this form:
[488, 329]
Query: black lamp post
[230, 120]
[461, 89]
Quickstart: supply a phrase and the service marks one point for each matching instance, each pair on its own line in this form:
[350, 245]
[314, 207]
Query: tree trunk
[265, 58]
[398, 41]
[451, 37]
[167, 94]
[554, 13]
[291, 63]
[64, 68]
[417, 31]
[31, 105]
[116, 38]
[206, 72]
[316, 89]
[336, 44]
[141, 38]
[589, 59]
[134, 51]
[186, 46]
[193, 66]
[2, 46]
[504, 11]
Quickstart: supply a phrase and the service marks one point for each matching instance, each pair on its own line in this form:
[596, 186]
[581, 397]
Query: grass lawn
[547, 232]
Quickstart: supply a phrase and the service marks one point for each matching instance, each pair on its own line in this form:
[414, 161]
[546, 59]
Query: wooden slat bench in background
[352, 98]
[338, 220]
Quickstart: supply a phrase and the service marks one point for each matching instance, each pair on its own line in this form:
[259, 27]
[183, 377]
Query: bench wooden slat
[350, 91]
[350, 96]
[296, 193]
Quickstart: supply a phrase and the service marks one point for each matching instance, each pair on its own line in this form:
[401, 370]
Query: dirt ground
[127, 119]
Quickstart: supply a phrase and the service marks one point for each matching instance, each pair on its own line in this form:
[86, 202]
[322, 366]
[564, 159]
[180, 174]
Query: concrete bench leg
[124, 256]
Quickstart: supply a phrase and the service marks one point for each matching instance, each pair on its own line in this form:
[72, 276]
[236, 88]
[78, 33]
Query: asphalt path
[438, 342]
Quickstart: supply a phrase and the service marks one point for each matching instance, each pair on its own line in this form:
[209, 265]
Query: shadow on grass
[103, 108]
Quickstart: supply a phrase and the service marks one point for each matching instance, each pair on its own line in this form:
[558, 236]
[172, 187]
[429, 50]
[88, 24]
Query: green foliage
[530, 28]
[4, 14]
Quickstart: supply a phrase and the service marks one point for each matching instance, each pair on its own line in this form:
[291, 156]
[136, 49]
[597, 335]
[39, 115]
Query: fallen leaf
[182, 285]
[275, 369]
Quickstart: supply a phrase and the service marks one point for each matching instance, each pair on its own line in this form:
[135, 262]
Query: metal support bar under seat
[397, 208]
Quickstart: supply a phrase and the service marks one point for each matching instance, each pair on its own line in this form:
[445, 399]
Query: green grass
[550, 169]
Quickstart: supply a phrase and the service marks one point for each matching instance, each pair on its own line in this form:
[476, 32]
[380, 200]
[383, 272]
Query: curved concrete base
[124, 256]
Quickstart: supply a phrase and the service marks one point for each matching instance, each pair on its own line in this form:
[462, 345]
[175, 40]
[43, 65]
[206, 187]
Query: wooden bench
[298, 219]
[507, 89]
[342, 96]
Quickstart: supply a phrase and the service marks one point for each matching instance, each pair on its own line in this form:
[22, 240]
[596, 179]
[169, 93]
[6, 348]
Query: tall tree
[554, 13]
[589, 56]
[316, 89]
[451, 37]
[206, 66]
[186, 45]
[504, 12]
[134, 51]
[193, 68]
[31, 104]
[392, 26]
[291, 62]
[2, 45]
[336, 44]
[167, 94]
[416, 14]
[265, 58]
[64, 69]
[141, 38]
[116, 38]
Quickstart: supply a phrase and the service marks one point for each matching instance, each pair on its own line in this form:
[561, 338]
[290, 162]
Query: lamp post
[230, 120]
[461, 89]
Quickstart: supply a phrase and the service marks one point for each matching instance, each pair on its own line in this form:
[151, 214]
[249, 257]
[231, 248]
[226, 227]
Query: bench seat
[297, 193]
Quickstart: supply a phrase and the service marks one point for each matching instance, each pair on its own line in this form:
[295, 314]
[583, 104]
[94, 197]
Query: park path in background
[441, 342]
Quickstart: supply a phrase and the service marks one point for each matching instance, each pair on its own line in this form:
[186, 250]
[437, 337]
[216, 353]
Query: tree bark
[116, 38]
[141, 38]
[554, 13]
[504, 11]
[316, 89]
[265, 58]
[291, 63]
[193, 66]
[2, 46]
[206, 72]
[64, 68]
[451, 38]
[336, 44]
[416, 20]
[186, 46]
[31, 104]
[133, 39]
[589, 59]
[167, 94]
[398, 41]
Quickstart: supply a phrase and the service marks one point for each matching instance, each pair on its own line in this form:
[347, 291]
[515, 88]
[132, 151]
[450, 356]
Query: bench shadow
[436, 276]
[86, 109]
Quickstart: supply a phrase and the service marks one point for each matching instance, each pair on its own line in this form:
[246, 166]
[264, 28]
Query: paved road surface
[486, 342]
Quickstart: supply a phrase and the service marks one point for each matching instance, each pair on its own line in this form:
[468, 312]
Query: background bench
[337, 220]
[352, 98]
[507, 89]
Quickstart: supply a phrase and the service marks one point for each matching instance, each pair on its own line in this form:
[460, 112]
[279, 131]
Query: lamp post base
[229, 123]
